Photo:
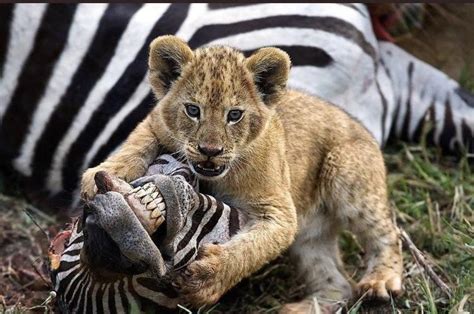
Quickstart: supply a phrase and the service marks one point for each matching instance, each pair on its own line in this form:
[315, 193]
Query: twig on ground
[36, 223]
[421, 260]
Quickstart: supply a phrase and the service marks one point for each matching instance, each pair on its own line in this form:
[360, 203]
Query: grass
[433, 197]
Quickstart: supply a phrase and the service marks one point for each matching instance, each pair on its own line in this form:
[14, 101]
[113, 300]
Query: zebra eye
[234, 116]
[193, 111]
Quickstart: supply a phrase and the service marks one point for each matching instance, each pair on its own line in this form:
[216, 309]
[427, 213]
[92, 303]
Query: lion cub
[298, 167]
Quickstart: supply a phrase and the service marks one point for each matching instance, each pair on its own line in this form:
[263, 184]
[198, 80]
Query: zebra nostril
[210, 150]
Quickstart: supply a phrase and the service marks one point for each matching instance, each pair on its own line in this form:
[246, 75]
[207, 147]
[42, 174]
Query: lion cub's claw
[202, 281]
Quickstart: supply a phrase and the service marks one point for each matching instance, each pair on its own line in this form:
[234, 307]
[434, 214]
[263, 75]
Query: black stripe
[196, 222]
[466, 96]
[384, 109]
[74, 283]
[393, 134]
[430, 136]
[102, 48]
[333, 25]
[449, 128]
[132, 120]
[303, 55]
[49, 43]
[65, 266]
[73, 252]
[234, 222]
[117, 97]
[111, 299]
[209, 226]
[99, 297]
[125, 303]
[184, 261]
[77, 240]
[82, 294]
[161, 161]
[66, 280]
[6, 13]
[89, 308]
[158, 285]
[421, 124]
[467, 137]
[406, 122]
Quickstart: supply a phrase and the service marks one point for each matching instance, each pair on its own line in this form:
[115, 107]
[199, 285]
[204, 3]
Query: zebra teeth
[135, 190]
[155, 214]
[151, 206]
[149, 190]
[159, 199]
[141, 193]
[146, 199]
[154, 195]
[161, 207]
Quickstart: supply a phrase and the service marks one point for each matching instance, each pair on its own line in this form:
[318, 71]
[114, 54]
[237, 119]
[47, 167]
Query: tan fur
[298, 166]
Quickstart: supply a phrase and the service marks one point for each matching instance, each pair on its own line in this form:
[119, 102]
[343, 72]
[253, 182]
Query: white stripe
[240, 14]
[73, 284]
[105, 300]
[75, 246]
[155, 297]
[84, 25]
[128, 47]
[64, 274]
[25, 24]
[82, 292]
[133, 305]
[70, 258]
[94, 296]
[140, 93]
[118, 300]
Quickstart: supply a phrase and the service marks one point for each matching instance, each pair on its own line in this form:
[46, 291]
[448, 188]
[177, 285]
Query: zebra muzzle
[146, 201]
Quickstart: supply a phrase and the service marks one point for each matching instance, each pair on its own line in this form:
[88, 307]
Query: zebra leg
[424, 94]
[316, 255]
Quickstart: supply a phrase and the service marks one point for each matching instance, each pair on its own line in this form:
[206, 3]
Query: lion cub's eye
[234, 116]
[193, 111]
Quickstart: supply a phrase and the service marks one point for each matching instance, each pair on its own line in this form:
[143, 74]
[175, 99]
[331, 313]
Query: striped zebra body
[81, 288]
[73, 77]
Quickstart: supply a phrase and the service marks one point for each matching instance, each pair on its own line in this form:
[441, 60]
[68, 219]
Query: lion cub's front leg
[219, 267]
[129, 162]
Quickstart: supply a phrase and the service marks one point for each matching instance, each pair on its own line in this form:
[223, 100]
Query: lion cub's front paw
[378, 285]
[204, 281]
[88, 187]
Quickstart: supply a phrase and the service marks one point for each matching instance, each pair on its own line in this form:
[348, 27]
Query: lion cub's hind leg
[316, 254]
[355, 179]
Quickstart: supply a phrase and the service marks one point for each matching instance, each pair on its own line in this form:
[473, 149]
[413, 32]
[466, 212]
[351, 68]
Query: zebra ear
[270, 68]
[168, 55]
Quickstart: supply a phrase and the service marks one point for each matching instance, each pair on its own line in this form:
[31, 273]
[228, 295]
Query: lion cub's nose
[210, 150]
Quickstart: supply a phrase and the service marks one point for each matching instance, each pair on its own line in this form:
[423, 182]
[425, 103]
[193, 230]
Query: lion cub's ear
[270, 68]
[168, 55]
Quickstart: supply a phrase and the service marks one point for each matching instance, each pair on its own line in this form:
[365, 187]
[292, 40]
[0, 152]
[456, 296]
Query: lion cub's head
[214, 101]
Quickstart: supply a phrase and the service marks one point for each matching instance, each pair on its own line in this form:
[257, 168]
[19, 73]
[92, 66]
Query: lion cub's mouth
[208, 168]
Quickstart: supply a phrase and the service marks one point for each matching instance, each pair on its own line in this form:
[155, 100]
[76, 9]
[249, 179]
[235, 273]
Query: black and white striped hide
[107, 263]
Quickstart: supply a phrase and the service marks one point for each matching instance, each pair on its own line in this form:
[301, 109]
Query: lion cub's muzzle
[208, 168]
